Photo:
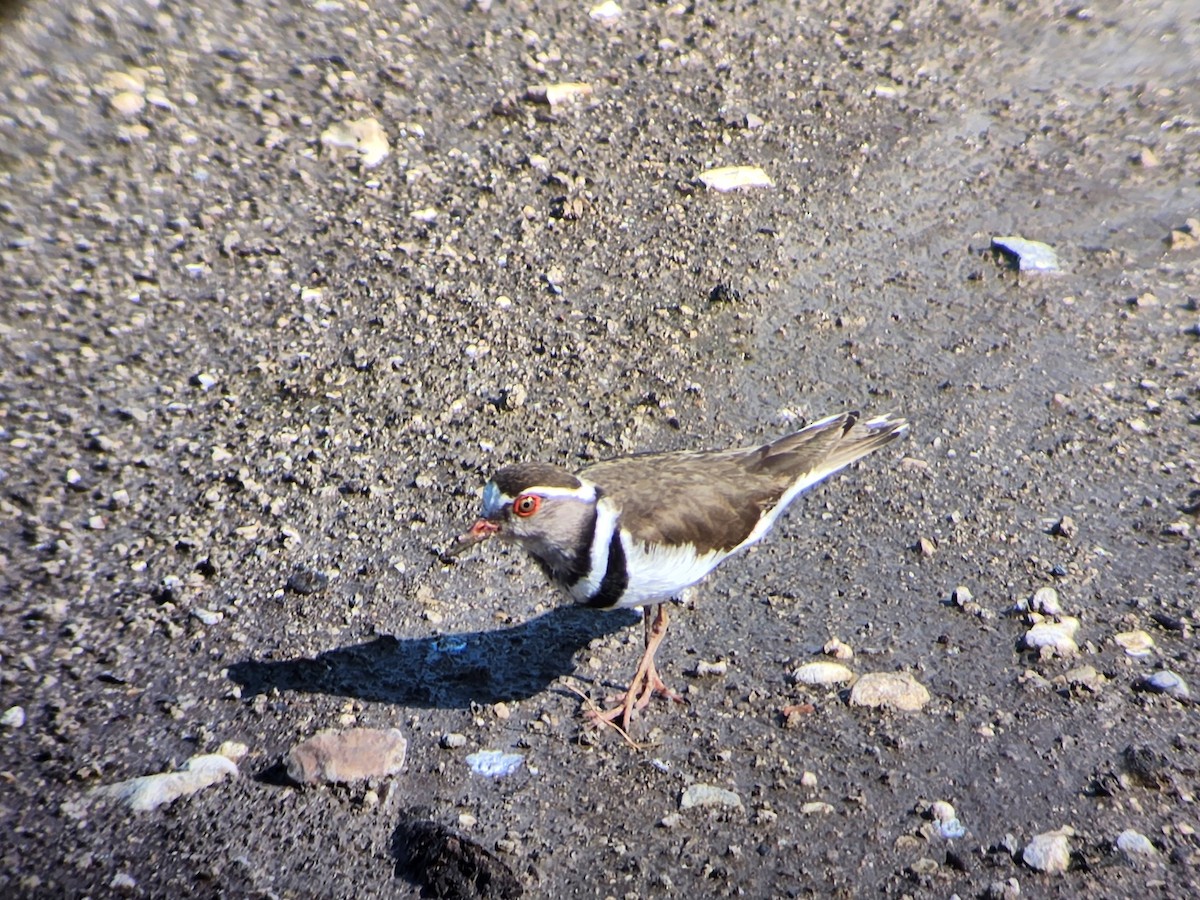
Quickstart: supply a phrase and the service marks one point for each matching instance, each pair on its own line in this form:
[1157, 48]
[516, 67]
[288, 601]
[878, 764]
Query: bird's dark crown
[512, 480]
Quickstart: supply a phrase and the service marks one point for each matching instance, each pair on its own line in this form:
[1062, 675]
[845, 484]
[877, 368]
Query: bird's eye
[526, 505]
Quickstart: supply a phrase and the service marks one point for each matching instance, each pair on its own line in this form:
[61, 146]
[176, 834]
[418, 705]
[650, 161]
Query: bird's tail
[824, 447]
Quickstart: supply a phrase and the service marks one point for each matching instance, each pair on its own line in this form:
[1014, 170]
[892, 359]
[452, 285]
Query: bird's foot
[645, 685]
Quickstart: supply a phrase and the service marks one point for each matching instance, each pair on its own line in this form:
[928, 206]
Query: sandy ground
[252, 383]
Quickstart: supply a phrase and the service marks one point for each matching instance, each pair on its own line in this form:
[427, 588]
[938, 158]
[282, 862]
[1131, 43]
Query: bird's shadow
[449, 671]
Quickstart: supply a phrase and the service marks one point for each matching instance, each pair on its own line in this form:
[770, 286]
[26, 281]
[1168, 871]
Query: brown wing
[708, 499]
[713, 499]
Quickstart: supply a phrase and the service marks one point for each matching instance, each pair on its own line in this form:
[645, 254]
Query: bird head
[542, 507]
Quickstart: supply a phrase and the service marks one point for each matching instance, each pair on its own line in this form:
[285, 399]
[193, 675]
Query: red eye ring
[526, 505]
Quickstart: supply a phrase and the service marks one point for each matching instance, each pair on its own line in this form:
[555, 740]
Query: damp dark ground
[235, 359]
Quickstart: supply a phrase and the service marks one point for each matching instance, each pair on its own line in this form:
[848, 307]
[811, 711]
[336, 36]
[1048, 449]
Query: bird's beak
[480, 531]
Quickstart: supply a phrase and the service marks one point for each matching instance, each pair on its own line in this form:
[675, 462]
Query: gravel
[253, 380]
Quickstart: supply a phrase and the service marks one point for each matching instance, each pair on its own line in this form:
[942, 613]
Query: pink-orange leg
[646, 681]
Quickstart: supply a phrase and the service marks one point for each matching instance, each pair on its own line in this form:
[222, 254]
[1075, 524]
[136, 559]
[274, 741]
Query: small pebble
[816, 808]
[948, 825]
[708, 795]
[558, 94]
[732, 178]
[961, 596]
[1086, 677]
[808, 779]
[307, 581]
[152, 791]
[1031, 256]
[349, 755]
[838, 649]
[1166, 682]
[494, 763]
[513, 397]
[704, 669]
[128, 103]
[207, 616]
[13, 717]
[1003, 890]
[1135, 845]
[1065, 527]
[1136, 644]
[1053, 638]
[1045, 601]
[606, 11]
[123, 881]
[889, 690]
[452, 740]
[364, 135]
[818, 673]
[1049, 851]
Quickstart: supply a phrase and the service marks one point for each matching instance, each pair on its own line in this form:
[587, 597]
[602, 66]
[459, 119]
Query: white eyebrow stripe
[585, 492]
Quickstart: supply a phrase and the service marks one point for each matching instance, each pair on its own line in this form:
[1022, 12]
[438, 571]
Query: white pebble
[128, 103]
[1167, 682]
[948, 825]
[838, 649]
[1049, 851]
[1136, 644]
[707, 670]
[891, 690]
[1135, 844]
[818, 673]
[152, 791]
[13, 717]
[494, 763]
[207, 616]
[1045, 601]
[708, 795]
[1054, 638]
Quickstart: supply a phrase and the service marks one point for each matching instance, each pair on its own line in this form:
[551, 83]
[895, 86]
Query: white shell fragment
[731, 178]
[818, 673]
[1031, 256]
[890, 690]
[1166, 682]
[364, 135]
[1049, 851]
[559, 93]
[606, 11]
[494, 763]
[1137, 644]
[707, 795]
[1054, 638]
[152, 791]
